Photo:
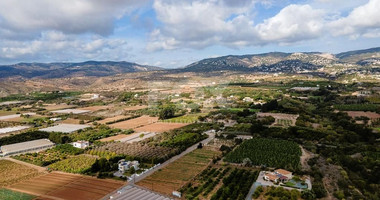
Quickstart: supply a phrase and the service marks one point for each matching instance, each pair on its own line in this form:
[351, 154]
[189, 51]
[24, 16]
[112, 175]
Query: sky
[175, 33]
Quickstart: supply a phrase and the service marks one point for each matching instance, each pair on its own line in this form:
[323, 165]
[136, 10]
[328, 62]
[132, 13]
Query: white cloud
[362, 20]
[201, 23]
[293, 23]
[67, 16]
[56, 46]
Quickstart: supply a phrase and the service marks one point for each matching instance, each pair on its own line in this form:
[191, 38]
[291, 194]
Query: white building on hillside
[81, 144]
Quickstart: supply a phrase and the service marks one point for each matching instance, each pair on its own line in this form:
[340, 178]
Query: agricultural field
[369, 115]
[115, 119]
[267, 152]
[94, 108]
[6, 194]
[178, 173]
[283, 122]
[135, 123]
[357, 107]
[220, 183]
[134, 108]
[190, 118]
[95, 133]
[70, 121]
[138, 150]
[160, 127]
[77, 164]
[113, 138]
[11, 172]
[67, 186]
[51, 107]
[47, 157]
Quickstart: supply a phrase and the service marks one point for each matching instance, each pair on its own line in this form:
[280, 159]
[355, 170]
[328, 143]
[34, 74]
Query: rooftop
[283, 171]
[65, 128]
[137, 193]
[41, 143]
[12, 129]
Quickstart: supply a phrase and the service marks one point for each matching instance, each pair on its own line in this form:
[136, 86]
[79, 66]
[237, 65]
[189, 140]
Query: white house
[126, 165]
[81, 144]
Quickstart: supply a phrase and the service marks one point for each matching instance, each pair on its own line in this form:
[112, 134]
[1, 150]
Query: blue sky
[174, 33]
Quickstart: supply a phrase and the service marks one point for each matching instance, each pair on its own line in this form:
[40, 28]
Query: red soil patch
[67, 186]
[134, 123]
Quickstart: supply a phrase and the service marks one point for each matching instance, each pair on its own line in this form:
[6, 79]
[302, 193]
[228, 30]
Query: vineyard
[77, 164]
[47, 157]
[137, 150]
[283, 122]
[267, 152]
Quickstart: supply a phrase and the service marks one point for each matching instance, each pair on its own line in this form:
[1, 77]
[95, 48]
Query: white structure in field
[12, 129]
[81, 144]
[65, 128]
[24, 147]
[126, 165]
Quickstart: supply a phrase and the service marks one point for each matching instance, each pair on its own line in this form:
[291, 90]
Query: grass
[12, 195]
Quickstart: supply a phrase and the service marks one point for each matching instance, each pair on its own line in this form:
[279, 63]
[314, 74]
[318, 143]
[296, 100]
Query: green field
[190, 118]
[267, 152]
[11, 195]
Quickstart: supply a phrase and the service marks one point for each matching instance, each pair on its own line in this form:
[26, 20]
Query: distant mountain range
[275, 62]
[62, 70]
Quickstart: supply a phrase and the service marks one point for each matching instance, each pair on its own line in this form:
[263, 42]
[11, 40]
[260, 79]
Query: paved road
[188, 150]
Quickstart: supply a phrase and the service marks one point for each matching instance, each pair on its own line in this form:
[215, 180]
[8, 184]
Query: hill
[64, 70]
[276, 62]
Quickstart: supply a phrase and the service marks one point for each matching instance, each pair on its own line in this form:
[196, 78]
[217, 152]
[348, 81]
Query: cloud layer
[55, 30]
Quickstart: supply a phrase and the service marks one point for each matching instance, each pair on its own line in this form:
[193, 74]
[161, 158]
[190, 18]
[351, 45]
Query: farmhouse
[126, 165]
[81, 144]
[279, 175]
[23, 147]
[65, 128]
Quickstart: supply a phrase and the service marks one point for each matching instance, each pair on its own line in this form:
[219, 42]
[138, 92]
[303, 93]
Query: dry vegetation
[11, 172]
[160, 127]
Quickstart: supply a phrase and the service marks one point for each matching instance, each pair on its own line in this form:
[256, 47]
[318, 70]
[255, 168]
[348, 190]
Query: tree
[167, 112]
[200, 145]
